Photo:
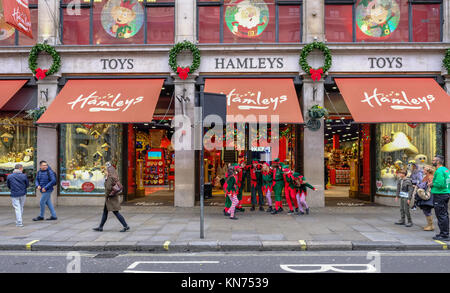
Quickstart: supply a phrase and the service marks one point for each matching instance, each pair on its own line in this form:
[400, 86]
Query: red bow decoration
[316, 74]
[412, 125]
[41, 74]
[183, 72]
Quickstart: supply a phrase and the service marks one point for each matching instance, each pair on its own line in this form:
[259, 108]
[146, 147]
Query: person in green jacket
[277, 185]
[440, 189]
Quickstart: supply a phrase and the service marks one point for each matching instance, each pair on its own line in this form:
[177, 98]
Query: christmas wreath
[447, 60]
[32, 60]
[183, 71]
[316, 74]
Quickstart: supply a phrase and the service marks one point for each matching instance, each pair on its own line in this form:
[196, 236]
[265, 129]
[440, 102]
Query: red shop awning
[8, 88]
[377, 100]
[105, 101]
[247, 98]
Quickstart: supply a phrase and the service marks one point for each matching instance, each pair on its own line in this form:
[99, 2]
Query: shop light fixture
[334, 88]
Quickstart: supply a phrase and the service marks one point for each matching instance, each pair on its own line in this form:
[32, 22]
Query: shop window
[260, 21]
[397, 144]
[119, 22]
[10, 37]
[383, 20]
[84, 149]
[17, 146]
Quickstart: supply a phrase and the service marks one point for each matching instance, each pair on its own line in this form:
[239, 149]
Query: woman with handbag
[112, 199]
[424, 197]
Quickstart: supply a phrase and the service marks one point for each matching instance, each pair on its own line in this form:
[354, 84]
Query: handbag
[424, 194]
[116, 189]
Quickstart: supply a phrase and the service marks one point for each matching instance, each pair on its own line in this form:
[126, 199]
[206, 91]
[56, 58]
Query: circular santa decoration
[246, 18]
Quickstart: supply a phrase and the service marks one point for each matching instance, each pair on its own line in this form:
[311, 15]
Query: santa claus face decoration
[122, 19]
[377, 18]
[246, 18]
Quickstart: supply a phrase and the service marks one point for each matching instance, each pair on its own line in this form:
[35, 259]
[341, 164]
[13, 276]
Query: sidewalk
[177, 229]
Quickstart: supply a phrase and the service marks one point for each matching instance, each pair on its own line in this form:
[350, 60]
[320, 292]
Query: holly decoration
[184, 71]
[33, 56]
[315, 73]
[447, 60]
[36, 113]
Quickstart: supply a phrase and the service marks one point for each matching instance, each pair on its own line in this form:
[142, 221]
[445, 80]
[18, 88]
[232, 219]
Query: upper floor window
[249, 21]
[118, 22]
[383, 20]
[11, 37]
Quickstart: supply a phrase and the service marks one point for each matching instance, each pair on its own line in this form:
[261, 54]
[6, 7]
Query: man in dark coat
[18, 183]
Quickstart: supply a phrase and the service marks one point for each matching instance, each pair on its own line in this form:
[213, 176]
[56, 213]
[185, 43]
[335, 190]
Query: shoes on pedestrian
[52, 219]
[270, 209]
[429, 226]
[400, 222]
[274, 212]
[290, 212]
[38, 219]
[307, 211]
[261, 209]
[300, 213]
[280, 209]
[226, 214]
[233, 218]
[413, 208]
[99, 229]
[296, 210]
[125, 229]
[252, 208]
[19, 225]
[441, 238]
[410, 224]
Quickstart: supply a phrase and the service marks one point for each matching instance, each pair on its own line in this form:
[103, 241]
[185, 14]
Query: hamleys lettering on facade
[105, 101]
[17, 15]
[404, 100]
[248, 98]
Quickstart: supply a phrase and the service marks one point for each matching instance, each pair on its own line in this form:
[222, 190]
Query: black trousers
[116, 213]
[254, 190]
[441, 211]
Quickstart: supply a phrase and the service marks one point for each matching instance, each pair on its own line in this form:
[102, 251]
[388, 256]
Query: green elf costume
[302, 192]
[226, 211]
[277, 185]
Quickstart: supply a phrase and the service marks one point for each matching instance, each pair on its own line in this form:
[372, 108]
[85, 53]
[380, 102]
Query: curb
[214, 245]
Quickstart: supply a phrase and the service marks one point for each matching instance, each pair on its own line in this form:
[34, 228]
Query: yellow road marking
[166, 245]
[28, 245]
[444, 245]
[303, 244]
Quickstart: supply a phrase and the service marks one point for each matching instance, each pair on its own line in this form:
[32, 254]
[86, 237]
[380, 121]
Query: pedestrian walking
[424, 198]
[404, 192]
[302, 192]
[232, 190]
[112, 198]
[45, 180]
[267, 178]
[440, 189]
[256, 184]
[18, 183]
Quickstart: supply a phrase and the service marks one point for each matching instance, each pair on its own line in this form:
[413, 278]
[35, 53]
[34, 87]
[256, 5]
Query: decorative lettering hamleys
[398, 101]
[251, 100]
[107, 103]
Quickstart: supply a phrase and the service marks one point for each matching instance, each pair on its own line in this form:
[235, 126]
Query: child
[404, 192]
[302, 186]
[267, 177]
[231, 191]
[291, 191]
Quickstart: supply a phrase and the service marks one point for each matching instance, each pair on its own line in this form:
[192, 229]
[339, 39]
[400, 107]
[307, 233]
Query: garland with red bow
[184, 46]
[316, 74]
[33, 56]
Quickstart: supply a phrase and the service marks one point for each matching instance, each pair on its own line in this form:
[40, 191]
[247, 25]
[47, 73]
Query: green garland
[35, 114]
[308, 49]
[177, 48]
[32, 58]
[447, 61]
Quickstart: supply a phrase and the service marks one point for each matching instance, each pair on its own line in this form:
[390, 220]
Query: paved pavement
[156, 228]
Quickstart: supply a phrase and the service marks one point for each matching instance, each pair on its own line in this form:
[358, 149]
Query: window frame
[277, 4]
[90, 5]
[410, 18]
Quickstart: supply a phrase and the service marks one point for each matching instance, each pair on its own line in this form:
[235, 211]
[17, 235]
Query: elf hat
[254, 162]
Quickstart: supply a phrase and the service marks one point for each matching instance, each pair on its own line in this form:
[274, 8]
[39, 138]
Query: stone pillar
[446, 25]
[48, 22]
[47, 136]
[313, 143]
[185, 175]
[447, 134]
[314, 20]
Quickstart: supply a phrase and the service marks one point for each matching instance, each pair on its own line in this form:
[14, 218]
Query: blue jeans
[46, 200]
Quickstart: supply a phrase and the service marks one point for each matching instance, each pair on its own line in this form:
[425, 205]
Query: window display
[18, 142]
[399, 145]
[85, 148]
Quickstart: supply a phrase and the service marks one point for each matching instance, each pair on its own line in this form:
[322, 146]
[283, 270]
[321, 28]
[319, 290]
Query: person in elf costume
[228, 203]
[123, 15]
[256, 184]
[302, 186]
[231, 191]
[267, 178]
[288, 186]
[240, 179]
[277, 185]
[292, 179]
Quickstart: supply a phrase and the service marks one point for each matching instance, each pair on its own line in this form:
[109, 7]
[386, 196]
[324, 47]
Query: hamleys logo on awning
[107, 103]
[251, 100]
[398, 100]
